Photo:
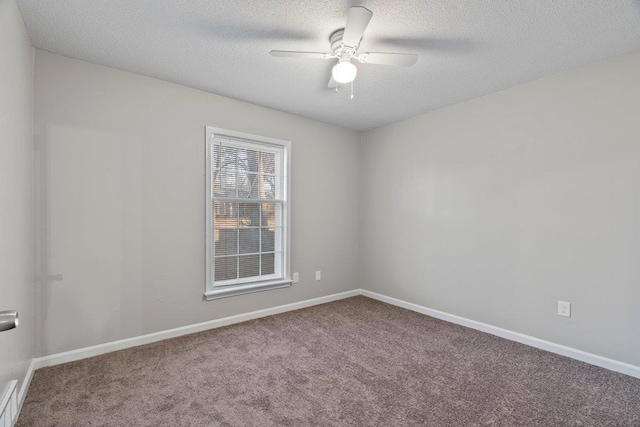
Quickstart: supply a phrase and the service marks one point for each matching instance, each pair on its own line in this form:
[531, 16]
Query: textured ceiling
[467, 48]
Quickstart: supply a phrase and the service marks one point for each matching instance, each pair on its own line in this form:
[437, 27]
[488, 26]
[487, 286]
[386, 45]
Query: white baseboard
[96, 350]
[24, 386]
[83, 353]
[583, 356]
[26, 382]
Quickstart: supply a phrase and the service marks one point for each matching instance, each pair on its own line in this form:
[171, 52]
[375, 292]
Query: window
[247, 213]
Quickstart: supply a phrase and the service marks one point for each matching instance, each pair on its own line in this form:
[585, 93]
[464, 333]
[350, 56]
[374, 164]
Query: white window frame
[249, 285]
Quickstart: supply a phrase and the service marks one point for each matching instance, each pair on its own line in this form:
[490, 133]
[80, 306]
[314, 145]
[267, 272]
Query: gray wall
[492, 209]
[121, 203]
[495, 208]
[16, 192]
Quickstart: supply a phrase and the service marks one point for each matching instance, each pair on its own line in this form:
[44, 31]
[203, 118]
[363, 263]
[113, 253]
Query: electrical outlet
[564, 308]
[318, 275]
[296, 277]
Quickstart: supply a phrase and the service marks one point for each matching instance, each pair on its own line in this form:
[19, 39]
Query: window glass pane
[226, 241]
[268, 264]
[267, 244]
[269, 214]
[268, 163]
[249, 214]
[226, 268]
[249, 266]
[248, 185]
[223, 157]
[249, 240]
[225, 215]
[224, 171]
[267, 187]
[224, 182]
[248, 160]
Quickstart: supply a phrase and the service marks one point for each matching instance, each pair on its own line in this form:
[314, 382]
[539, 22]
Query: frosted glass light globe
[344, 72]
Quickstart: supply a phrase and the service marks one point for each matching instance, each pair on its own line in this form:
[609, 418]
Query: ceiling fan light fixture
[345, 45]
[344, 71]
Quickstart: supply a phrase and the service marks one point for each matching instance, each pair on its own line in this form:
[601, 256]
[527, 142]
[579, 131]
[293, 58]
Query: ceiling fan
[344, 47]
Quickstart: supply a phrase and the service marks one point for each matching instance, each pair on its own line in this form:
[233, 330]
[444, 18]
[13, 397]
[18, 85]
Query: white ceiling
[467, 48]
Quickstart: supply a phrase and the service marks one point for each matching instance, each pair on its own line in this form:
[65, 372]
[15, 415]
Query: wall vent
[9, 406]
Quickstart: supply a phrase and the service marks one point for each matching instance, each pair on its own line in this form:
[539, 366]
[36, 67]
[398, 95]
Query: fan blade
[332, 83]
[357, 21]
[404, 59]
[294, 54]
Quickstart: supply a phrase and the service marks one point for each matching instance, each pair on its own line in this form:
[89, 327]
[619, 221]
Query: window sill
[245, 289]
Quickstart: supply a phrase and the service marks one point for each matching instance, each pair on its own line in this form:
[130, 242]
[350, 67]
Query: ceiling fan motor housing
[336, 39]
[337, 47]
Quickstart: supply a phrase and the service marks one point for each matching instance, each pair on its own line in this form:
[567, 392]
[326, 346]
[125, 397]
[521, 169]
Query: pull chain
[351, 89]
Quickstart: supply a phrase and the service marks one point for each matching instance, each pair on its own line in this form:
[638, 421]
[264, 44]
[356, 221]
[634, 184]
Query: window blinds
[248, 196]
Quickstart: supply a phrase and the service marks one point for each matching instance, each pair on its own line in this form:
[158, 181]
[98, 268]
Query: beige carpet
[355, 362]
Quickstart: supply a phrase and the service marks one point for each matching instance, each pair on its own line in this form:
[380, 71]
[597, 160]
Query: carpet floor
[354, 362]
